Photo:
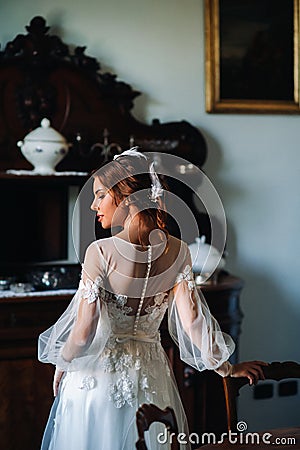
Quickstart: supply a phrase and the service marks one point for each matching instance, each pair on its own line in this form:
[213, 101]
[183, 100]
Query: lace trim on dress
[187, 275]
[154, 312]
[88, 383]
[160, 300]
[118, 306]
[126, 358]
[119, 359]
[92, 290]
[121, 300]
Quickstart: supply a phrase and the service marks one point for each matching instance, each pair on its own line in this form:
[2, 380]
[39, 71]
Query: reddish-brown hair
[126, 176]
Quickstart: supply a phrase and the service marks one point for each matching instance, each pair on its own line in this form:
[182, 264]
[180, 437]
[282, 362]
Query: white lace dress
[108, 344]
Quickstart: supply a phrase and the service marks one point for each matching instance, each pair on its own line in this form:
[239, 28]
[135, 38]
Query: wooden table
[280, 438]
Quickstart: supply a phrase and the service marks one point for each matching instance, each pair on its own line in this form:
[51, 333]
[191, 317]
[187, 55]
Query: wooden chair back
[149, 413]
[274, 371]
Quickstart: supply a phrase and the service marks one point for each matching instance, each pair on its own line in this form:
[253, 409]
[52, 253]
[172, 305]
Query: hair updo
[125, 177]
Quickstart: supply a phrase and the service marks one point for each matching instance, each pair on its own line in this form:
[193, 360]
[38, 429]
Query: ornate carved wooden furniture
[149, 413]
[274, 371]
[40, 77]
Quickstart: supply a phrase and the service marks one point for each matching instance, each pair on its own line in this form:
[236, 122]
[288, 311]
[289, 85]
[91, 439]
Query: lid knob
[45, 123]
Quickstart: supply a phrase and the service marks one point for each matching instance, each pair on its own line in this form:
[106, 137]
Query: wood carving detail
[40, 77]
[41, 53]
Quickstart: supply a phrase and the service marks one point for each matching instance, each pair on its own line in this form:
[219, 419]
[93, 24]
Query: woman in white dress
[106, 345]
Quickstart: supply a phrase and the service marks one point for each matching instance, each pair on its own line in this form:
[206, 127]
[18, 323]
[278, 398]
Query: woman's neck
[139, 232]
[153, 236]
[131, 229]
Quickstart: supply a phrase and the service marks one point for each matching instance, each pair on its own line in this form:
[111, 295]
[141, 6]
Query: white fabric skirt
[96, 410]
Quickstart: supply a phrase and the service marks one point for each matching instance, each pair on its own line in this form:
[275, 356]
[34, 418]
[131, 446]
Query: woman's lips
[100, 217]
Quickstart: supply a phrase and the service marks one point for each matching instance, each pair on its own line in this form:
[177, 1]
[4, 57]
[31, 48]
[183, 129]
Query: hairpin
[156, 187]
[131, 152]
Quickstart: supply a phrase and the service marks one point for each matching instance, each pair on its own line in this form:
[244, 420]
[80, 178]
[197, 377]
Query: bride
[106, 345]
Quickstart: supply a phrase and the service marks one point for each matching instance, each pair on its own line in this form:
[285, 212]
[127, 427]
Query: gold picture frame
[249, 79]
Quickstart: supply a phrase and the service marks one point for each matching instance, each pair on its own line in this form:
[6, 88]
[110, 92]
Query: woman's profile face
[108, 213]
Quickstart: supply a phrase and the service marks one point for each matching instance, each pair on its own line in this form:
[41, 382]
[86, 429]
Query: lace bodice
[114, 318]
[122, 321]
[138, 319]
[133, 343]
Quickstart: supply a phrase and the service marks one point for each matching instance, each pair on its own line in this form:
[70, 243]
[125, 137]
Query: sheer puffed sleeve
[201, 342]
[77, 339]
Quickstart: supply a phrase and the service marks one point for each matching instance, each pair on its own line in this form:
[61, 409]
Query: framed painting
[252, 56]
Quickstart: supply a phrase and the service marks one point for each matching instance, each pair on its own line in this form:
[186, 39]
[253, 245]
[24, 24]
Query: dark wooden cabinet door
[25, 383]
[25, 402]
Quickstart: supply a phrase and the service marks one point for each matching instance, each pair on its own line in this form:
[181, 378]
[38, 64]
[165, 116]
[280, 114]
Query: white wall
[254, 160]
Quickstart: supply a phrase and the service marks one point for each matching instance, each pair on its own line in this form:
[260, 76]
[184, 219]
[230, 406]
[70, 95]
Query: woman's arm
[249, 369]
[202, 343]
[89, 292]
[83, 330]
[56, 380]
[79, 338]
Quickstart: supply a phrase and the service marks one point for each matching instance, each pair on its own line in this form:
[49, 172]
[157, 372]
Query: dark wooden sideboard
[26, 384]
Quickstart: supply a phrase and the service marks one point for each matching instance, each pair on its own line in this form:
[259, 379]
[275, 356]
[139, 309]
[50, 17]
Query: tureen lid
[204, 254]
[45, 133]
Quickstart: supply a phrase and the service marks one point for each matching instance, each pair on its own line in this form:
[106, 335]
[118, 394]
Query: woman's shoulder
[109, 243]
[177, 240]
[99, 245]
[177, 243]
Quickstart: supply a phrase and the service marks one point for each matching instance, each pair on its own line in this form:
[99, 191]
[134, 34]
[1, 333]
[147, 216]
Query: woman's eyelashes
[100, 195]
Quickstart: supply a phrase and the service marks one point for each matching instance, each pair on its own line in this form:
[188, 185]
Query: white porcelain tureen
[44, 148]
[205, 258]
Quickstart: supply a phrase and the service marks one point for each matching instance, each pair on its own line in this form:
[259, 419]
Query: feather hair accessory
[156, 187]
[131, 152]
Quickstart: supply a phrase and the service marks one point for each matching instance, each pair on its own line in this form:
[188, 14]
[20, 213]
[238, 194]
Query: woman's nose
[95, 205]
